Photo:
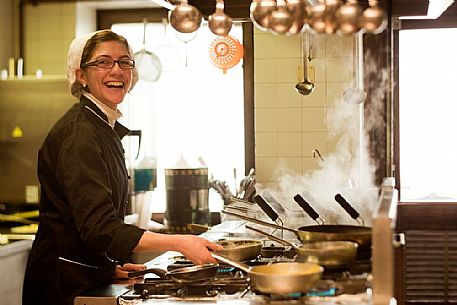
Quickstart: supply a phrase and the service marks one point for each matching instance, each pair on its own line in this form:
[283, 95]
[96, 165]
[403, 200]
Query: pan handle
[266, 208]
[308, 209]
[160, 272]
[224, 259]
[272, 237]
[347, 207]
[260, 222]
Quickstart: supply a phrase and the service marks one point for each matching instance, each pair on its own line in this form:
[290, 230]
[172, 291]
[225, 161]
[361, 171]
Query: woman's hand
[122, 271]
[196, 249]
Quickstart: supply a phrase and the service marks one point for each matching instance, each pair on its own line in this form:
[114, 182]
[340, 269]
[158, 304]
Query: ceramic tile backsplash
[266, 95]
[54, 24]
[289, 119]
[266, 120]
[295, 125]
[287, 96]
[290, 144]
[266, 144]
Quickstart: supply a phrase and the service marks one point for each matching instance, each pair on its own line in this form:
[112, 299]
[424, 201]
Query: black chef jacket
[84, 188]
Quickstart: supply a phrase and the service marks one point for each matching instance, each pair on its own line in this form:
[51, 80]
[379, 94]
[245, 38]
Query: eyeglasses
[108, 63]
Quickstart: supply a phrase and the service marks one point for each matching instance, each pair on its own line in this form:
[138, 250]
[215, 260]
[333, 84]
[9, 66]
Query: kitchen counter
[13, 259]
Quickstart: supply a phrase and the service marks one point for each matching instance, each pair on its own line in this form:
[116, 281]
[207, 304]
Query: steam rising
[347, 171]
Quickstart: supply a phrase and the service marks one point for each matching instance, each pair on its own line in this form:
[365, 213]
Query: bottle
[145, 174]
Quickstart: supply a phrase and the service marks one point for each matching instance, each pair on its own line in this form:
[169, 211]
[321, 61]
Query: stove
[231, 286]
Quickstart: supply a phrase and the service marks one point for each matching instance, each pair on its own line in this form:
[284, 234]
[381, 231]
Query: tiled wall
[289, 126]
[49, 30]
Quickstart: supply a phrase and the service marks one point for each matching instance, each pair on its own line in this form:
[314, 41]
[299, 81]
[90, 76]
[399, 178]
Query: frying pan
[328, 254]
[181, 275]
[279, 278]
[240, 250]
[358, 234]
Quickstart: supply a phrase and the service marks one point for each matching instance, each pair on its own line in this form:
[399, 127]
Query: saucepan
[279, 278]
[328, 254]
[181, 275]
[240, 250]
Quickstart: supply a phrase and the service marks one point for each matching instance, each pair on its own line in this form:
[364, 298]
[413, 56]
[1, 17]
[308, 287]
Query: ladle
[374, 18]
[185, 18]
[148, 64]
[355, 95]
[220, 23]
[305, 87]
[280, 19]
[348, 18]
[260, 11]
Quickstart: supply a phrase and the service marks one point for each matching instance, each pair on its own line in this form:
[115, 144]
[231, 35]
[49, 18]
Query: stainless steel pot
[279, 278]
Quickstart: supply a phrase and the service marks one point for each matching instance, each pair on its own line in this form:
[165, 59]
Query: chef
[82, 241]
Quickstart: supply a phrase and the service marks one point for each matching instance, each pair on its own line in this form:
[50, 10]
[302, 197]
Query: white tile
[314, 119]
[287, 46]
[266, 144]
[335, 92]
[288, 96]
[310, 164]
[318, 66]
[338, 69]
[337, 46]
[264, 70]
[289, 119]
[264, 46]
[317, 45]
[266, 120]
[314, 140]
[294, 165]
[286, 69]
[344, 118]
[265, 95]
[290, 144]
[317, 98]
[264, 168]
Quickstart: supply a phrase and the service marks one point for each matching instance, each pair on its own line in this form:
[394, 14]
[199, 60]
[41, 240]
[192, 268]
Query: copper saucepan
[328, 254]
[279, 278]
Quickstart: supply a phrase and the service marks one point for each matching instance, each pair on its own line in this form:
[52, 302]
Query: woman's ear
[80, 77]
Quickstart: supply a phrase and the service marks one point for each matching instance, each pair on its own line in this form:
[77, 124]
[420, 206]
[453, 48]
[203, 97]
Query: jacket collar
[120, 129]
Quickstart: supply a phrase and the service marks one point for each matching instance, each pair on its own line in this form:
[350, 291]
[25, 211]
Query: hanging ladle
[305, 87]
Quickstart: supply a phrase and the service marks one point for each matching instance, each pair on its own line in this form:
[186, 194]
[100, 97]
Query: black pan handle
[306, 207]
[346, 206]
[266, 207]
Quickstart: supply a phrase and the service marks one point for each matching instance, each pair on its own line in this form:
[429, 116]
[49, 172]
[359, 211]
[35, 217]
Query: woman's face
[109, 86]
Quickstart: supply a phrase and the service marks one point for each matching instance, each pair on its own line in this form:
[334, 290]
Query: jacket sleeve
[84, 177]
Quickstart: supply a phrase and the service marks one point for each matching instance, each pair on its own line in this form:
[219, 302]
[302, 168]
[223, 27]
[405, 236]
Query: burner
[153, 287]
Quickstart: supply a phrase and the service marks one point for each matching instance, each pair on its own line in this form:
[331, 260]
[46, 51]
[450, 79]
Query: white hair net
[74, 60]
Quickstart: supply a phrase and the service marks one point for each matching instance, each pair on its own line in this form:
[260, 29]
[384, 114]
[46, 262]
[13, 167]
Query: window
[194, 109]
[428, 114]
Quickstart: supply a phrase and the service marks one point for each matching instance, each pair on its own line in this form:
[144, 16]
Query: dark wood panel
[427, 216]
